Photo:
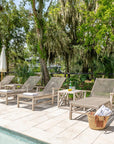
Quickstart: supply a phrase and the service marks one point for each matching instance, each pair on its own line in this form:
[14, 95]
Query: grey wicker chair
[27, 86]
[100, 95]
[49, 92]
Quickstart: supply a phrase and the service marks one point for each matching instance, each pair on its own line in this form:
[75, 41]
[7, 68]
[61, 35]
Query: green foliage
[23, 72]
[77, 34]
[79, 81]
[14, 24]
[96, 32]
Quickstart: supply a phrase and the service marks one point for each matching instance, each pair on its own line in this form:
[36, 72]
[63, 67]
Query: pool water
[11, 137]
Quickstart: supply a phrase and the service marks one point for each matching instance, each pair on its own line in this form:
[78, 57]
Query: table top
[70, 92]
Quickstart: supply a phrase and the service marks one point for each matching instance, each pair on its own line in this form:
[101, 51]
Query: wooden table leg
[70, 112]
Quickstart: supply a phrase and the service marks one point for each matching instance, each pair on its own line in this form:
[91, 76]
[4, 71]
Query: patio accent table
[63, 96]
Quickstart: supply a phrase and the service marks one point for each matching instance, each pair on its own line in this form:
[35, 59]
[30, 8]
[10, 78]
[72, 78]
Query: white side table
[63, 96]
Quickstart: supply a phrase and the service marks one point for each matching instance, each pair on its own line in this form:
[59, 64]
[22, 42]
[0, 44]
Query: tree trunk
[7, 59]
[67, 65]
[38, 16]
[85, 68]
[45, 73]
[0, 43]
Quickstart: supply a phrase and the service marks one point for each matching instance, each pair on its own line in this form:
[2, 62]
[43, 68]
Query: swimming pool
[10, 137]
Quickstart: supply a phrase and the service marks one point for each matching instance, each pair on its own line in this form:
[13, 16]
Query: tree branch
[33, 7]
[48, 8]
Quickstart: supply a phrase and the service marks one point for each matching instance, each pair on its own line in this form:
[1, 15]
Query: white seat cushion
[6, 91]
[30, 94]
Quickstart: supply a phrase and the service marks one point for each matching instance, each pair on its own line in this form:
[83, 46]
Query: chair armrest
[17, 86]
[57, 88]
[85, 92]
[20, 85]
[38, 88]
[54, 90]
[41, 87]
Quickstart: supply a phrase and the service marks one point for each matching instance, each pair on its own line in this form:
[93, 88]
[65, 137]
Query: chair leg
[18, 101]
[52, 100]
[83, 108]
[58, 104]
[111, 97]
[53, 96]
[6, 99]
[32, 104]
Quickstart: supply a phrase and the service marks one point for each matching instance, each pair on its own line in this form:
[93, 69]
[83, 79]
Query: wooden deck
[51, 124]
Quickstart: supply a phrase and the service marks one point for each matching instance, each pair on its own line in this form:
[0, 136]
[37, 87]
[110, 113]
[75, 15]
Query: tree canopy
[76, 34]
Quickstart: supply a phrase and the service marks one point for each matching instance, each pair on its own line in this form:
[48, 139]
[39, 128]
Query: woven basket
[97, 122]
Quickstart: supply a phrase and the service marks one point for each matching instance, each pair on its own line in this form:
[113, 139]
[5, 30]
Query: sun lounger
[50, 91]
[100, 95]
[27, 86]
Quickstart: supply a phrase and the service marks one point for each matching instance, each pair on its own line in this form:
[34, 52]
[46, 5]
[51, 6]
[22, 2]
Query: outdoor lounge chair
[50, 91]
[27, 86]
[100, 95]
[6, 80]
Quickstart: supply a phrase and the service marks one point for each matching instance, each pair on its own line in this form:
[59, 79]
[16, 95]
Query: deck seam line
[80, 133]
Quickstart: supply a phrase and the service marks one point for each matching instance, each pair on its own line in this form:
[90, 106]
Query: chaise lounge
[27, 86]
[50, 91]
[100, 95]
